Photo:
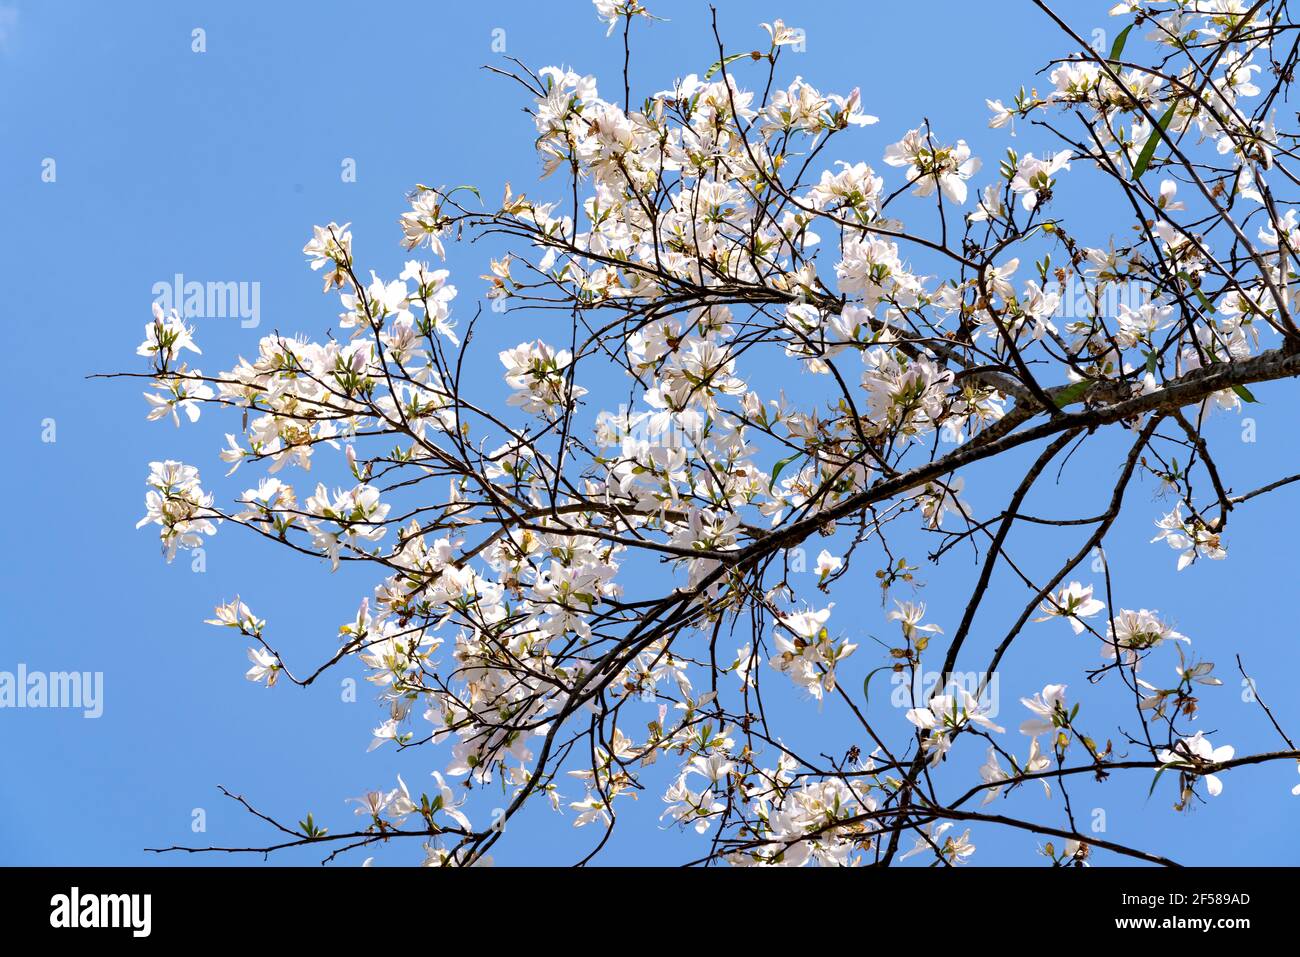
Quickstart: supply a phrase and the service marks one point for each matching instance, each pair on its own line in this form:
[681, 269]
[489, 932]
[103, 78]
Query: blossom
[939, 498]
[1075, 80]
[177, 503]
[854, 188]
[447, 803]
[956, 850]
[177, 394]
[394, 806]
[593, 807]
[991, 772]
[947, 714]
[1130, 632]
[235, 614]
[1198, 673]
[1196, 751]
[424, 222]
[997, 279]
[827, 564]
[613, 11]
[166, 336]
[357, 515]
[1140, 325]
[1048, 707]
[1033, 177]
[697, 808]
[1074, 602]
[929, 164]
[749, 326]
[1038, 762]
[432, 294]
[1238, 76]
[1192, 538]
[388, 298]
[807, 653]
[330, 244]
[1001, 115]
[266, 666]
[1165, 200]
[988, 206]
[540, 378]
[781, 34]
[909, 616]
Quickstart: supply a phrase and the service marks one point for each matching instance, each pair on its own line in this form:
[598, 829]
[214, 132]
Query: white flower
[990, 773]
[434, 295]
[954, 849]
[388, 298]
[1001, 115]
[1033, 176]
[614, 11]
[939, 498]
[946, 715]
[1135, 631]
[781, 34]
[356, 513]
[827, 564]
[329, 244]
[176, 502]
[697, 808]
[372, 803]
[266, 666]
[235, 614]
[989, 206]
[1166, 201]
[424, 222]
[540, 377]
[808, 654]
[1191, 538]
[1049, 707]
[1195, 751]
[1036, 762]
[1074, 602]
[930, 164]
[166, 336]
[176, 394]
[593, 808]
[909, 615]
[450, 805]
[1140, 325]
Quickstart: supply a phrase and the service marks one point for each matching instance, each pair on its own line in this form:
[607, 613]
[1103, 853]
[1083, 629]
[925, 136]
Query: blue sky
[215, 165]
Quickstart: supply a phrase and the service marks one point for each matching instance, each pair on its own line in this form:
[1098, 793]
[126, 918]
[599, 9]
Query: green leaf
[1156, 780]
[1244, 394]
[866, 682]
[1205, 303]
[1072, 393]
[776, 469]
[721, 63]
[1118, 46]
[1148, 151]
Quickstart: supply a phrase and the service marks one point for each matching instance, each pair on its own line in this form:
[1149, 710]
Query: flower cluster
[755, 347]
